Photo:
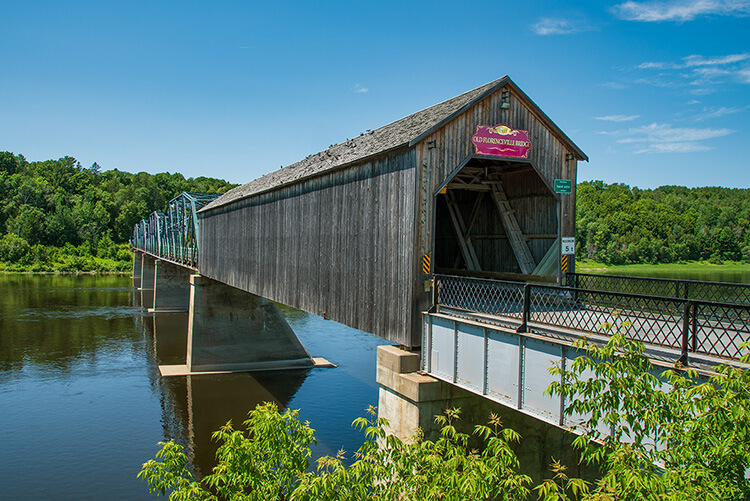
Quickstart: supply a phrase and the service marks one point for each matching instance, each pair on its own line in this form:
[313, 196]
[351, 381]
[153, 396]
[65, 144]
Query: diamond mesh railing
[719, 292]
[492, 297]
[690, 326]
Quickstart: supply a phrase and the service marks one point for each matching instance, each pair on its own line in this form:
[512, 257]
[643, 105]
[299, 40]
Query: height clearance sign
[501, 140]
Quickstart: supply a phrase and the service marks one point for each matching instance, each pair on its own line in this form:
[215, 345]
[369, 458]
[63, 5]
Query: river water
[82, 404]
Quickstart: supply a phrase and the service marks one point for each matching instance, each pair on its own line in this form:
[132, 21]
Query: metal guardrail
[173, 235]
[691, 326]
[663, 287]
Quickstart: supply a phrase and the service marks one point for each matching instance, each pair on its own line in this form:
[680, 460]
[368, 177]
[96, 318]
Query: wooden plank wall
[438, 154]
[339, 245]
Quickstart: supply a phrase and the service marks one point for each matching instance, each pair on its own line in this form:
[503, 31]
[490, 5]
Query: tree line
[617, 224]
[57, 214]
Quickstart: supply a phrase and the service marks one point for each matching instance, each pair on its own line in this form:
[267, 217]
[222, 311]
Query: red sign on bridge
[501, 140]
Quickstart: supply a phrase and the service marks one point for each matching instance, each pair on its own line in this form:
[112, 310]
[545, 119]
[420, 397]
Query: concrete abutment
[409, 399]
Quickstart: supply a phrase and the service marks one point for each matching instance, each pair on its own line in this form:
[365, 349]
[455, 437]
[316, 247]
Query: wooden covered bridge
[437, 231]
[354, 233]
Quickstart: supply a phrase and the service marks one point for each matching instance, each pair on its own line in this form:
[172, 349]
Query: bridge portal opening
[496, 216]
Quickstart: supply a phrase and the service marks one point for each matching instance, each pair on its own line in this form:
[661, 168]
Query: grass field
[697, 270]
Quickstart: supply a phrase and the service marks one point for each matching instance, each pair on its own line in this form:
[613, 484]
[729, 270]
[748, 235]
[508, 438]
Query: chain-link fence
[705, 327]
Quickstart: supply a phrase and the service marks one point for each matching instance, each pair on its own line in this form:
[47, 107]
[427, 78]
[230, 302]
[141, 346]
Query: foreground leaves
[270, 460]
[655, 435]
[660, 434]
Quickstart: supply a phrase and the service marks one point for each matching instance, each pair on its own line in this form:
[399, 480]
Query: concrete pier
[409, 399]
[171, 287]
[137, 262]
[148, 274]
[233, 330]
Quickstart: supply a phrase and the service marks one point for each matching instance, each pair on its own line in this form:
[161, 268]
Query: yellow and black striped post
[426, 264]
[564, 269]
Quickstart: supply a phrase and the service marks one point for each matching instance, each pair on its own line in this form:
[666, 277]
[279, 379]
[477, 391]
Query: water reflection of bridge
[193, 407]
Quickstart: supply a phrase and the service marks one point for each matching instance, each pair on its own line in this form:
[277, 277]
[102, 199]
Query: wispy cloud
[650, 65]
[559, 26]
[617, 118]
[673, 148]
[699, 72]
[358, 89]
[696, 60]
[663, 138]
[713, 112]
[680, 10]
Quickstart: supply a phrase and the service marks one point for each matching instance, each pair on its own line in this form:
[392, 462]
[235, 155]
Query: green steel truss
[173, 235]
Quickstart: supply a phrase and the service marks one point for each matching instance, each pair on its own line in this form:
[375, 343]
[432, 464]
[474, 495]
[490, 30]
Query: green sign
[563, 186]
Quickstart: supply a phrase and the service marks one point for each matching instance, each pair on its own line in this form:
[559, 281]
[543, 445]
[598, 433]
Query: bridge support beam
[148, 274]
[409, 399]
[137, 262]
[171, 287]
[233, 330]
[170, 337]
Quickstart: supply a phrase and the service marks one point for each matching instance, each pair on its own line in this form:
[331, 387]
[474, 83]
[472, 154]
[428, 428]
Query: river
[82, 404]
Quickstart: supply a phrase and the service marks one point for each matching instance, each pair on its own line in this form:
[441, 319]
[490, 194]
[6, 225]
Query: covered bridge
[355, 232]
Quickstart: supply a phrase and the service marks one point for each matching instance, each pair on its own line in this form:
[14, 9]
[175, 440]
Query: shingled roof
[403, 132]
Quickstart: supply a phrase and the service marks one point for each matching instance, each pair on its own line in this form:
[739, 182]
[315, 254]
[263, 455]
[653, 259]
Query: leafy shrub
[13, 248]
[701, 426]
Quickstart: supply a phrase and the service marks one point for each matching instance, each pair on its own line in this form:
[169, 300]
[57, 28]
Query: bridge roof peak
[401, 133]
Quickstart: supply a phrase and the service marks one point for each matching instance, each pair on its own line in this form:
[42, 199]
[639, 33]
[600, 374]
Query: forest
[56, 215]
[617, 224]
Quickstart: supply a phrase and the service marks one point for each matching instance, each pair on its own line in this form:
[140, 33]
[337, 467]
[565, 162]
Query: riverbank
[67, 272]
[694, 270]
[70, 265]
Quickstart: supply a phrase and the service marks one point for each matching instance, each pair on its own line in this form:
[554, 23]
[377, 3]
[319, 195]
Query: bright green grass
[647, 269]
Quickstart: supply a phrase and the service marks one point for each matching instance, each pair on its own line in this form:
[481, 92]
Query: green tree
[59, 205]
[656, 436]
[13, 248]
[270, 461]
[667, 435]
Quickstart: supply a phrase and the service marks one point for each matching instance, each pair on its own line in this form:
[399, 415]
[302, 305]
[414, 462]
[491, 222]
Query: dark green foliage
[619, 225]
[56, 214]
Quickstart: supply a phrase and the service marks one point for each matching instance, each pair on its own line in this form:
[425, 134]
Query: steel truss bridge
[173, 235]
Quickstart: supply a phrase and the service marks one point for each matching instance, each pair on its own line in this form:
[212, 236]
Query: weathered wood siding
[340, 245]
[442, 151]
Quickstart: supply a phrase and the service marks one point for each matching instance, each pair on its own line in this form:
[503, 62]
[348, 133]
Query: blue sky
[654, 92]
